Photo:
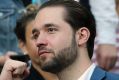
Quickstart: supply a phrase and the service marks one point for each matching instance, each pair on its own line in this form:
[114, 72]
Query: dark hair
[77, 16]
[20, 28]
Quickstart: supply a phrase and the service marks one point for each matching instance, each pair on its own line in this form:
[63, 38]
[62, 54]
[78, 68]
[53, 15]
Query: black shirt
[34, 75]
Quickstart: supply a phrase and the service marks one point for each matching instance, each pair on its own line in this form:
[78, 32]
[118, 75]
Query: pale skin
[14, 70]
[57, 37]
[32, 50]
[25, 47]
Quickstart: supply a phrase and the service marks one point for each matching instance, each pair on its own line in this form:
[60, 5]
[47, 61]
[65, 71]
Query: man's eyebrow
[46, 26]
[50, 25]
[34, 30]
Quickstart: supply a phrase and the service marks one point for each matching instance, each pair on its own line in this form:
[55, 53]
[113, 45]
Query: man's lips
[42, 52]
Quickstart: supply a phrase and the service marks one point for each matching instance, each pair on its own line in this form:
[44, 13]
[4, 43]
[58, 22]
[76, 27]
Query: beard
[62, 59]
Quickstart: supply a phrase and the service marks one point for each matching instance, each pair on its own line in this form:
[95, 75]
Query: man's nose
[41, 41]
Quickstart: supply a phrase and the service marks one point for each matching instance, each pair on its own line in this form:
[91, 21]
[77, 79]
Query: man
[27, 45]
[64, 34]
[25, 26]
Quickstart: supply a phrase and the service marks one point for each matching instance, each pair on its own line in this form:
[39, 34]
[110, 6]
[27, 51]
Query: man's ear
[22, 46]
[82, 36]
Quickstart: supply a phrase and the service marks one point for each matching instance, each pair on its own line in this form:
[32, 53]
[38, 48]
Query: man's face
[54, 39]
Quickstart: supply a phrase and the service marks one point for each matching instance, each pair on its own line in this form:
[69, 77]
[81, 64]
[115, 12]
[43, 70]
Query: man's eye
[52, 29]
[35, 36]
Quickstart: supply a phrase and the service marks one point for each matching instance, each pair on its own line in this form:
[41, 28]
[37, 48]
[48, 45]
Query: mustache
[43, 48]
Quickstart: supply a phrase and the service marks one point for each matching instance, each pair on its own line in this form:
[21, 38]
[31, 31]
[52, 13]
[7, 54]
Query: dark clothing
[34, 75]
[26, 2]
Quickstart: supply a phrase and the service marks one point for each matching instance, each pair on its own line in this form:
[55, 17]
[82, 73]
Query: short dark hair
[21, 25]
[77, 16]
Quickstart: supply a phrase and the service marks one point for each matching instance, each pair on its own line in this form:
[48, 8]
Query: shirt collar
[87, 74]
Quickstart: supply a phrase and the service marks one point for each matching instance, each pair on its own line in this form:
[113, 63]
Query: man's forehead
[49, 15]
[52, 10]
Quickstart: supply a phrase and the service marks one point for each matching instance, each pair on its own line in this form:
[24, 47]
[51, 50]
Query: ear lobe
[82, 36]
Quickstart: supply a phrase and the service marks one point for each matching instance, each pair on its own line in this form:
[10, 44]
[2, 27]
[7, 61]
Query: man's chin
[51, 66]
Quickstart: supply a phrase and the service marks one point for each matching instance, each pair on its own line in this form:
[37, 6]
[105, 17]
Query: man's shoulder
[112, 76]
[100, 74]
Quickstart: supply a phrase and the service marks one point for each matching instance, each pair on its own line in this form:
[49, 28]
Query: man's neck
[46, 75]
[74, 71]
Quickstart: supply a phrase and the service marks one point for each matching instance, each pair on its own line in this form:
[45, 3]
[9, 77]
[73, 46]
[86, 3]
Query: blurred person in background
[10, 12]
[25, 25]
[106, 24]
[116, 69]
